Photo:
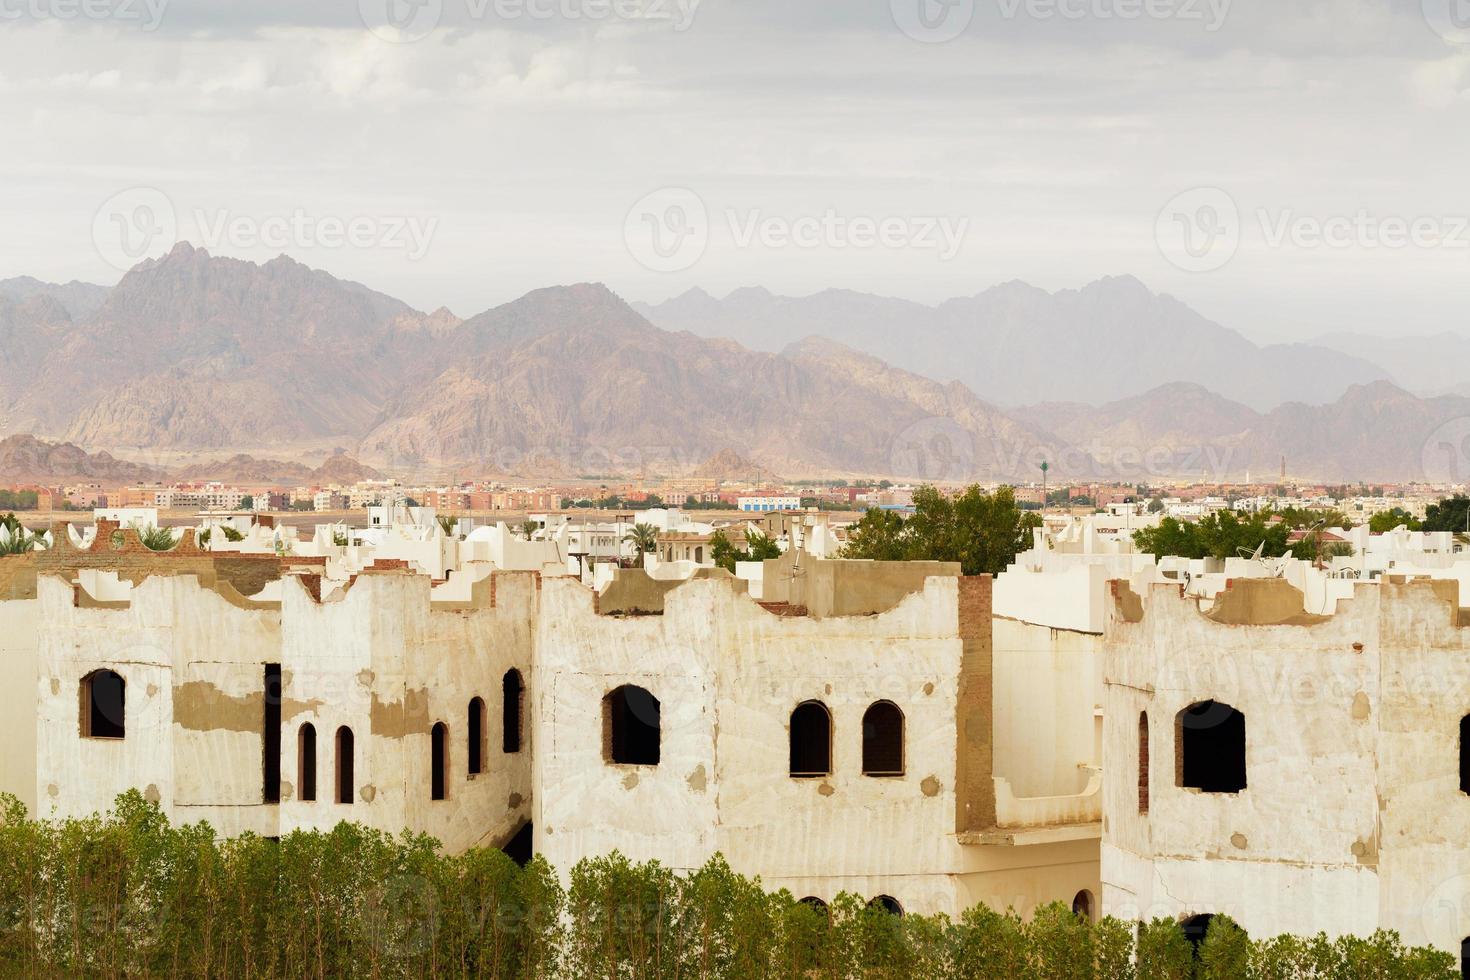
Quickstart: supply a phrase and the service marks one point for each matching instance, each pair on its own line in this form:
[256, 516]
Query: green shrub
[128, 895]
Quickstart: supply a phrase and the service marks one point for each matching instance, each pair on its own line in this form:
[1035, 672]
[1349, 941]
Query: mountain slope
[1016, 344]
[195, 351]
[1375, 432]
[79, 299]
[596, 386]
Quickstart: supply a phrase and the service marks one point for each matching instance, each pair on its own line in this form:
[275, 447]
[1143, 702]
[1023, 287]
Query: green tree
[981, 531]
[1386, 520]
[643, 538]
[1450, 514]
[156, 538]
[758, 547]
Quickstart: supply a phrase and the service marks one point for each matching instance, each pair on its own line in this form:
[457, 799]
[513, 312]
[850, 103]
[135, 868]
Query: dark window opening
[888, 904]
[1465, 958]
[306, 762]
[1143, 762]
[514, 693]
[519, 847]
[814, 902]
[1082, 905]
[270, 747]
[475, 741]
[438, 760]
[630, 724]
[883, 740]
[104, 705]
[344, 765]
[811, 740]
[1211, 748]
[1195, 929]
[1465, 754]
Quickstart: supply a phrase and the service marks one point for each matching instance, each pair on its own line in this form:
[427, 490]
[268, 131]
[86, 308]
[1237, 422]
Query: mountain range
[1017, 344]
[197, 353]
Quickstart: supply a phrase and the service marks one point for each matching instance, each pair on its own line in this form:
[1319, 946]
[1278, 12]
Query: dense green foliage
[1451, 514]
[1387, 520]
[982, 531]
[156, 538]
[758, 547]
[128, 895]
[1228, 534]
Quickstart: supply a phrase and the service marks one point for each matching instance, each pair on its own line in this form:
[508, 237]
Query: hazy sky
[481, 148]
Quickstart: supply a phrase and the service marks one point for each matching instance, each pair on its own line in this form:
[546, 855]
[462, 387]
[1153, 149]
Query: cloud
[1058, 138]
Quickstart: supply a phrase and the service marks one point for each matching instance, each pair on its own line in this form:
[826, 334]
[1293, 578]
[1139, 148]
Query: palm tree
[643, 538]
[528, 528]
[155, 538]
[446, 524]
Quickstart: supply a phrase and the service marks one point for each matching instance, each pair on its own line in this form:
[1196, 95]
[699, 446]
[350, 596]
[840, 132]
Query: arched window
[514, 693]
[438, 761]
[475, 740]
[1465, 957]
[888, 904]
[104, 705]
[306, 762]
[811, 741]
[699, 555]
[883, 740]
[630, 727]
[1211, 747]
[344, 765]
[813, 902]
[1082, 905]
[1465, 754]
[1143, 762]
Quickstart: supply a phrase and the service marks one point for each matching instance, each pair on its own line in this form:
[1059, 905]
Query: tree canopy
[1448, 515]
[758, 547]
[982, 531]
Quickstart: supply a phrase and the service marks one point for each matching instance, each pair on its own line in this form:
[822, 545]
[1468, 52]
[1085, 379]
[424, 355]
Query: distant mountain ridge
[1017, 344]
[196, 352]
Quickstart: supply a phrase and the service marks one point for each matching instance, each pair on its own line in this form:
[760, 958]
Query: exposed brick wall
[974, 710]
[119, 549]
[1143, 762]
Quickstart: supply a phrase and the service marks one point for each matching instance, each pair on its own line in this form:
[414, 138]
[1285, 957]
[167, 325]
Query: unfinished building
[1300, 773]
[861, 732]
